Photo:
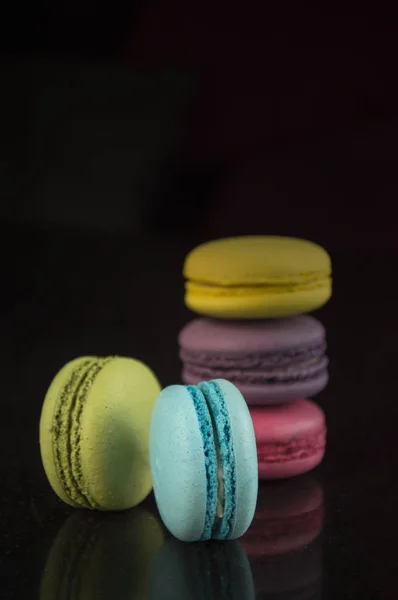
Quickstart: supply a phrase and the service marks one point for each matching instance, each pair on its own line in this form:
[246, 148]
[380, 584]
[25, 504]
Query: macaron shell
[279, 393]
[245, 457]
[177, 464]
[281, 424]
[289, 424]
[260, 305]
[237, 339]
[256, 260]
[291, 469]
[115, 434]
[46, 425]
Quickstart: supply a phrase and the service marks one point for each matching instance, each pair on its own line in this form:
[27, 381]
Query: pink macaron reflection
[289, 516]
[283, 543]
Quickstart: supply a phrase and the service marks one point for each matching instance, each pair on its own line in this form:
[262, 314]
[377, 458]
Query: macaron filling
[296, 449]
[214, 423]
[253, 360]
[310, 282]
[66, 426]
[304, 371]
[222, 427]
[210, 455]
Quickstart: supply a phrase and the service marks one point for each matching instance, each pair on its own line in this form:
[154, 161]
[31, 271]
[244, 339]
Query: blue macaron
[204, 461]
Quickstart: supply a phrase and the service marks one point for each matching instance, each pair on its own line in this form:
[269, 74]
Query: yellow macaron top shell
[94, 432]
[257, 277]
[255, 260]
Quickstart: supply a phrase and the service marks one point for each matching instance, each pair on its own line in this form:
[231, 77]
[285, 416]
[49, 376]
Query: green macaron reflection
[211, 571]
[102, 557]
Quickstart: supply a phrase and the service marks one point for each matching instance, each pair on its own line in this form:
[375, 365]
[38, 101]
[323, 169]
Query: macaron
[291, 438]
[94, 432]
[204, 461]
[257, 277]
[271, 361]
[102, 556]
[215, 571]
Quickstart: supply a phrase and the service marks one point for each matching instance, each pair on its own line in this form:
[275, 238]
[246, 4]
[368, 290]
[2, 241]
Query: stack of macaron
[253, 294]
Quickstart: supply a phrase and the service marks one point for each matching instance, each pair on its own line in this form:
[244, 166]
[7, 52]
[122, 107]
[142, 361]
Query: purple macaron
[271, 362]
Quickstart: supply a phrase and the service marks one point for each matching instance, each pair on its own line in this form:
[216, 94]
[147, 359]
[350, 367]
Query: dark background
[128, 135]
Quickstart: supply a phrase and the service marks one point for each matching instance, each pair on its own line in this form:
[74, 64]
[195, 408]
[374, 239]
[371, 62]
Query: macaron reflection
[124, 555]
[211, 571]
[283, 543]
[102, 557]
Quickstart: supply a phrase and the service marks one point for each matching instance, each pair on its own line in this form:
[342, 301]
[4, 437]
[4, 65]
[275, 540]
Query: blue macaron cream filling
[215, 428]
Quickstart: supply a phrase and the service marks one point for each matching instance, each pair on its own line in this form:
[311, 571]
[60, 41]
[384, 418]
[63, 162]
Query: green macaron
[94, 432]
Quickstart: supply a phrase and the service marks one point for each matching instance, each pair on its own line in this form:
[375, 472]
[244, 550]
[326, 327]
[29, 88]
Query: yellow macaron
[94, 432]
[257, 277]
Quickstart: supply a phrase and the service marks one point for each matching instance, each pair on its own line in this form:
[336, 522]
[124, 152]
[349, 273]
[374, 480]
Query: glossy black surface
[332, 534]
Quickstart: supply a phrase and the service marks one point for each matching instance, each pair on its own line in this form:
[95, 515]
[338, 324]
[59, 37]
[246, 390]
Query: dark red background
[298, 104]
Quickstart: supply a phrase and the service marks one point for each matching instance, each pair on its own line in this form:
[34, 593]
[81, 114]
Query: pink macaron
[291, 438]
